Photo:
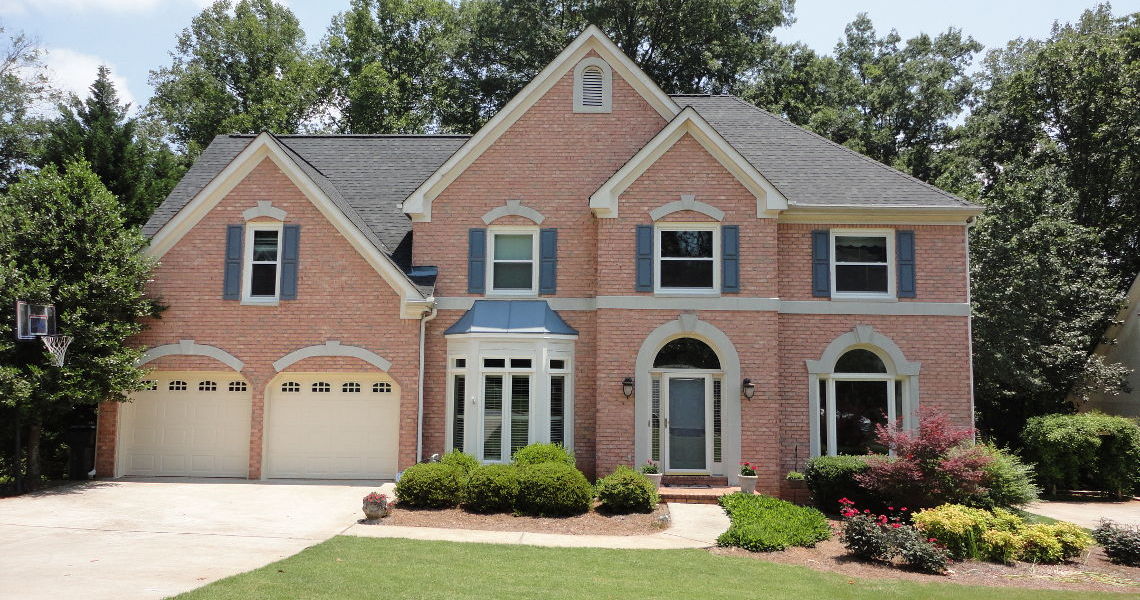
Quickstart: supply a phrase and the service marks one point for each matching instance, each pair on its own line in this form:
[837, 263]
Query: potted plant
[650, 470]
[376, 506]
[748, 478]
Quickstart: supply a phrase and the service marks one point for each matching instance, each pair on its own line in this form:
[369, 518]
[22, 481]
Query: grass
[350, 567]
[763, 523]
[1032, 518]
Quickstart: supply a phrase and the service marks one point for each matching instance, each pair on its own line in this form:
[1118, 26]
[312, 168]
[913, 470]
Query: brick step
[694, 480]
[694, 495]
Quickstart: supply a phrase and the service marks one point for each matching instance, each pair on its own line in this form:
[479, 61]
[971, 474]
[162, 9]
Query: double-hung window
[512, 255]
[263, 263]
[688, 258]
[862, 263]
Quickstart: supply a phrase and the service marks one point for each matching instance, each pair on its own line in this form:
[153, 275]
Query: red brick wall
[339, 297]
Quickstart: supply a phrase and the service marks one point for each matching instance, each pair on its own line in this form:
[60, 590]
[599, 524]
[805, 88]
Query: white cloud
[119, 6]
[74, 72]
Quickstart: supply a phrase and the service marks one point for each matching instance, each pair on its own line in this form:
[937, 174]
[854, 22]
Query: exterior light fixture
[748, 388]
[627, 386]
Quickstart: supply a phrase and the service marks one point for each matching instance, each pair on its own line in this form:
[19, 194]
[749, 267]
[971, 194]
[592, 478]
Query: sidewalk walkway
[693, 526]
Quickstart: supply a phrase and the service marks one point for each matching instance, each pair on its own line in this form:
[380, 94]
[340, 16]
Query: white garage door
[188, 423]
[332, 426]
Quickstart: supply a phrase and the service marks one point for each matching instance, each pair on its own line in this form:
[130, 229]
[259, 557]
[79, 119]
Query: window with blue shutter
[476, 260]
[231, 279]
[644, 278]
[730, 259]
[548, 268]
[821, 263]
[904, 248]
[290, 241]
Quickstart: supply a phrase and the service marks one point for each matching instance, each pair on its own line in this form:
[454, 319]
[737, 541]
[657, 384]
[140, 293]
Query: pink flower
[896, 525]
[890, 508]
[903, 508]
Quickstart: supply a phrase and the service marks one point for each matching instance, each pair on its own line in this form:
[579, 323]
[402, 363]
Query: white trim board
[418, 204]
[754, 304]
[769, 200]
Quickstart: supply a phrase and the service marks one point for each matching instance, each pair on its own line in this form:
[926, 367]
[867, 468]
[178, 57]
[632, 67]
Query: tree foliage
[139, 170]
[23, 86]
[241, 68]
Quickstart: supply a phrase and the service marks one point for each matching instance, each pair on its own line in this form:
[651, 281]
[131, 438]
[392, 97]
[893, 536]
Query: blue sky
[135, 36]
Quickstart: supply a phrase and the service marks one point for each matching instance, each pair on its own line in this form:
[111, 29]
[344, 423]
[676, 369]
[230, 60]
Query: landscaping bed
[590, 523]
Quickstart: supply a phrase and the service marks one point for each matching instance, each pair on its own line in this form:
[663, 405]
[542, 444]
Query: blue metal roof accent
[509, 317]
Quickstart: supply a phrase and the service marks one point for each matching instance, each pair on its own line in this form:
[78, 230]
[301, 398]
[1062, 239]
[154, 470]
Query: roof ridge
[888, 168]
[351, 135]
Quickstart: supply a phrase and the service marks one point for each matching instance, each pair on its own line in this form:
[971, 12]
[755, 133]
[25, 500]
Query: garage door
[188, 423]
[333, 426]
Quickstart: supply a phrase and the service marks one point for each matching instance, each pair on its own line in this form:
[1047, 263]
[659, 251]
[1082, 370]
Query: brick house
[638, 276]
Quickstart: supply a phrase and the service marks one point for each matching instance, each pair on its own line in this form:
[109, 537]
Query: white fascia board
[769, 200]
[265, 146]
[418, 204]
[880, 214]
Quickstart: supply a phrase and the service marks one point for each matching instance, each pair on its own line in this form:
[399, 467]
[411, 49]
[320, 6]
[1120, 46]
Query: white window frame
[507, 373]
[889, 236]
[534, 261]
[658, 229]
[607, 86]
[830, 415]
[247, 265]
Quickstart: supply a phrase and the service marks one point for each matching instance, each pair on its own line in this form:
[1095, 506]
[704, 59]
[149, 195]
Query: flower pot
[655, 478]
[748, 483]
[375, 510]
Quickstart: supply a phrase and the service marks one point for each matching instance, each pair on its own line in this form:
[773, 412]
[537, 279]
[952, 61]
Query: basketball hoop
[57, 346]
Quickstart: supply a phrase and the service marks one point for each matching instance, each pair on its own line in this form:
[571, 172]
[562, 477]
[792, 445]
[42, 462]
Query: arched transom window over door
[686, 407]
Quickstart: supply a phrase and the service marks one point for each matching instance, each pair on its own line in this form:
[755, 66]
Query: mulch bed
[1092, 572]
[591, 523]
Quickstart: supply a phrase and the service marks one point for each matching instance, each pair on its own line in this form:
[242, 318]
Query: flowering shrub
[649, 468]
[882, 537]
[376, 498]
[936, 464]
[747, 469]
[1121, 543]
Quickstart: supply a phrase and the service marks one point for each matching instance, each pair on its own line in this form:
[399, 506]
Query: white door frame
[666, 377]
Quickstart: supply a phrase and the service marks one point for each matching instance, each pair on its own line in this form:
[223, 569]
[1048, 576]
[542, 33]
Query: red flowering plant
[935, 465]
[747, 468]
[883, 537]
[376, 498]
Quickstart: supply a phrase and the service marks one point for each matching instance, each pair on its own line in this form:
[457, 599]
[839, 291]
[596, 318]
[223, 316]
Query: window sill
[686, 294]
[863, 298]
[252, 302]
[505, 294]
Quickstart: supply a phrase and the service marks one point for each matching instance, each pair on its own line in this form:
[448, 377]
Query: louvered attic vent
[592, 87]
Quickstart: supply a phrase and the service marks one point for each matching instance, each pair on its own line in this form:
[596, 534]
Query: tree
[387, 60]
[245, 72]
[138, 170]
[62, 240]
[23, 85]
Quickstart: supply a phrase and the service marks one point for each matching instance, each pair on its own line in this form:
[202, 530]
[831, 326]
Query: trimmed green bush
[537, 454]
[429, 485]
[1089, 451]
[1121, 542]
[460, 460]
[491, 489]
[830, 478]
[553, 490]
[1002, 546]
[1000, 535]
[764, 524]
[959, 528]
[1008, 480]
[1039, 545]
[627, 491]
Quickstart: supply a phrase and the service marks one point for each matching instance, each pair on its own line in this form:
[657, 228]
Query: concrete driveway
[1088, 513]
[152, 538]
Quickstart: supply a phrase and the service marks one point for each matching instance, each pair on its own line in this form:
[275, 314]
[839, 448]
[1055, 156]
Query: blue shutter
[231, 280]
[904, 248]
[730, 259]
[476, 261]
[291, 235]
[821, 263]
[548, 268]
[644, 282]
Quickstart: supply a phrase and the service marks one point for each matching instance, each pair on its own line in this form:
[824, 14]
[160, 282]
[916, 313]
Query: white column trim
[513, 208]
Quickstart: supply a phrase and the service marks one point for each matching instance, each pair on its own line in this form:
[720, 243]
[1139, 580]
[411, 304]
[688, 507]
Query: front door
[686, 418]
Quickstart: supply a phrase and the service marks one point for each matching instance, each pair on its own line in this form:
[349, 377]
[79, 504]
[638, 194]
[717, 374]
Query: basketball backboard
[34, 320]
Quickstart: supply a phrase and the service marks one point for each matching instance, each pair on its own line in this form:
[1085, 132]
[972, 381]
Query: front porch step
[690, 495]
[694, 480]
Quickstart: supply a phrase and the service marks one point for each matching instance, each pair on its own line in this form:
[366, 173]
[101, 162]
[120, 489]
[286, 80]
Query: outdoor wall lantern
[748, 388]
[627, 386]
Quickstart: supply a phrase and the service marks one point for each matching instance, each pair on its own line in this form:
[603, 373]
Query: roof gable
[418, 203]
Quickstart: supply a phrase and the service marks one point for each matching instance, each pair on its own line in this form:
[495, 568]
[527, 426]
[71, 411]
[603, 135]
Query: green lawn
[350, 567]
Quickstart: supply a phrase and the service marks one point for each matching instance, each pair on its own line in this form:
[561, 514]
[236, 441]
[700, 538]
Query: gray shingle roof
[808, 169]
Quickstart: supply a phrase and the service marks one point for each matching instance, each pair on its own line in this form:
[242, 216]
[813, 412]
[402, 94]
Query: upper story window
[593, 86]
[687, 257]
[262, 263]
[513, 269]
[862, 263]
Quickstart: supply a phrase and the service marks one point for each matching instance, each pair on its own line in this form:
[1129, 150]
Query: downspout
[420, 408]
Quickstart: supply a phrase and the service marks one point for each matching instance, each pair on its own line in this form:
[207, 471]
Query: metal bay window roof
[511, 317]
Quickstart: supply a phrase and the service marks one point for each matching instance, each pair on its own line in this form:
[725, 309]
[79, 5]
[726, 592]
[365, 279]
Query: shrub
[919, 552]
[878, 537]
[537, 454]
[1074, 540]
[1039, 545]
[936, 464]
[959, 528]
[460, 460]
[1007, 480]
[429, 485]
[1092, 451]
[1121, 543]
[763, 523]
[830, 478]
[491, 489]
[1002, 546]
[626, 491]
[553, 490]
[866, 538]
